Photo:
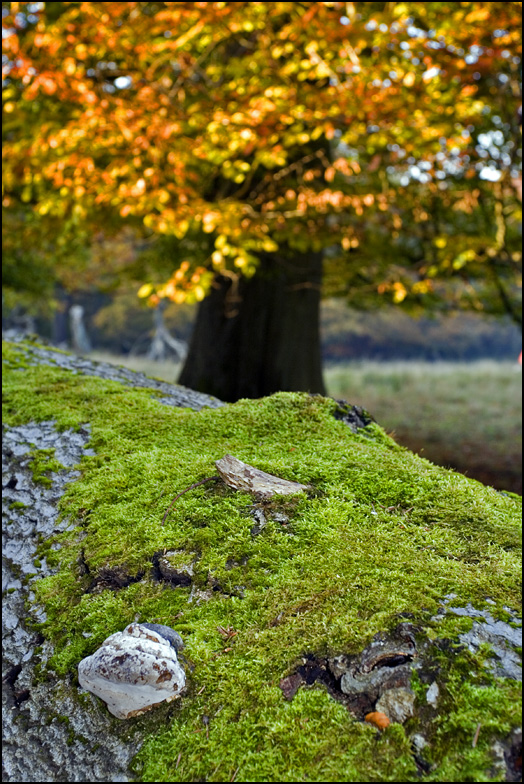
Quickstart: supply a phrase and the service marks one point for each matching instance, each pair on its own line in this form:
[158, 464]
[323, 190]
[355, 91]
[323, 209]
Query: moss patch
[43, 463]
[17, 505]
[384, 532]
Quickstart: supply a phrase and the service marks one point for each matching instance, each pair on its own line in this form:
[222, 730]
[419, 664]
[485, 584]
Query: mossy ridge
[385, 532]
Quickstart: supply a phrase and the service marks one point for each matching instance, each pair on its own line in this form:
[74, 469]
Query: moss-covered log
[390, 586]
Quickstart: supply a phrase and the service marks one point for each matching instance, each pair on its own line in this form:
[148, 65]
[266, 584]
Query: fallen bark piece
[241, 476]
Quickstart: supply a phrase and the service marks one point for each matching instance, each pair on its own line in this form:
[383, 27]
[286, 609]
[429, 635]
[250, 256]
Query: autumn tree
[259, 141]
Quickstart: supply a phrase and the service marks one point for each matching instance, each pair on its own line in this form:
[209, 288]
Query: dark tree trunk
[60, 327]
[259, 335]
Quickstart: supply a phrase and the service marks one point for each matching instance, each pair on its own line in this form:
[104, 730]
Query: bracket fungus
[134, 670]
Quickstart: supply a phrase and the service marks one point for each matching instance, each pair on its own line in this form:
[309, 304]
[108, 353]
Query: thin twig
[178, 84]
[287, 170]
[178, 760]
[476, 736]
[235, 773]
[207, 479]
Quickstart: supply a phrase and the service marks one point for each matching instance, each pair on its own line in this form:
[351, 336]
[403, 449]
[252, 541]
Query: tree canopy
[384, 133]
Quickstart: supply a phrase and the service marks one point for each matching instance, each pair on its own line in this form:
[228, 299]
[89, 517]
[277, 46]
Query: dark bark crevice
[259, 335]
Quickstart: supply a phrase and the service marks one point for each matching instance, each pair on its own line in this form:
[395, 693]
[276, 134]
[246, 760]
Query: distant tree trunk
[259, 335]
[162, 341]
[79, 337]
[60, 328]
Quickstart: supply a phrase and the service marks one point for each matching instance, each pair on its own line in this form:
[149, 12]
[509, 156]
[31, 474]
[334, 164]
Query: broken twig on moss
[191, 487]
[241, 476]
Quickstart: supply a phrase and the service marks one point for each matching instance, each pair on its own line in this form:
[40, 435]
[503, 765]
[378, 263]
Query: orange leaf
[377, 718]
[189, 34]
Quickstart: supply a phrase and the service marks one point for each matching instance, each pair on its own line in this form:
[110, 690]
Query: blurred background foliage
[210, 134]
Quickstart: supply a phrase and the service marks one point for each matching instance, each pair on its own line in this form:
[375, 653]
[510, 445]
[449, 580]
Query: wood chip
[240, 476]
[290, 685]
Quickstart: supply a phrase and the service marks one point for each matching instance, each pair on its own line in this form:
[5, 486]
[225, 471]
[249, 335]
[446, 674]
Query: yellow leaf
[400, 293]
[69, 66]
[199, 293]
[189, 34]
[180, 230]
[145, 290]
[209, 222]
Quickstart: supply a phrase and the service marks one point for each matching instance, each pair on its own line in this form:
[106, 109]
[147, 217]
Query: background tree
[255, 138]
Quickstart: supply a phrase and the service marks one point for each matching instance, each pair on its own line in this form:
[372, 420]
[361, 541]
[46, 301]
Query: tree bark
[260, 335]
[60, 327]
[162, 340]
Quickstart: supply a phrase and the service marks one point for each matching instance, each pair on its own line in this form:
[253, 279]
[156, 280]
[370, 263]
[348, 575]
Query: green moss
[42, 464]
[312, 738]
[382, 532]
[17, 505]
[13, 357]
[470, 697]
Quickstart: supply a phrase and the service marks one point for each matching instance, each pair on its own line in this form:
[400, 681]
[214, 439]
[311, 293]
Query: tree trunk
[79, 336]
[60, 327]
[163, 342]
[259, 335]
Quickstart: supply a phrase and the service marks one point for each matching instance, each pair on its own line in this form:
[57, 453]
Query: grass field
[466, 416]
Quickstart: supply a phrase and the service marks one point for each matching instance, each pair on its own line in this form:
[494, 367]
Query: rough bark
[260, 335]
